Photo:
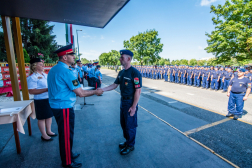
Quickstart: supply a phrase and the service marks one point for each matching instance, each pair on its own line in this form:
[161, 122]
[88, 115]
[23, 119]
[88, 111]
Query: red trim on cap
[65, 52]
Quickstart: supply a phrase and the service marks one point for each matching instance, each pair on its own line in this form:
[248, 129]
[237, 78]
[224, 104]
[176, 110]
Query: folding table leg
[16, 137]
[29, 125]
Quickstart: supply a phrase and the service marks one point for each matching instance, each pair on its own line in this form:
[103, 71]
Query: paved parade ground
[178, 126]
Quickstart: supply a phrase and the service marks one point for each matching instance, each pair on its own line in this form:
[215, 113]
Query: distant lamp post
[78, 43]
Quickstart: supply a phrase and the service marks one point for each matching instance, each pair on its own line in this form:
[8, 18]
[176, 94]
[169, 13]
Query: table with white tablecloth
[17, 112]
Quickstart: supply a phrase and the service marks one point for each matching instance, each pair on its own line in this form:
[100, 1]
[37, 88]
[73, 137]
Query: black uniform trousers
[97, 83]
[128, 123]
[65, 120]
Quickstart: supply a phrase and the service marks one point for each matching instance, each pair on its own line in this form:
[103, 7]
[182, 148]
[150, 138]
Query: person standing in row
[98, 77]
[130, 82]
[226, 79]
[37, 85]
[215, 79]
[79, 69]
[238, 91]
[63, 88]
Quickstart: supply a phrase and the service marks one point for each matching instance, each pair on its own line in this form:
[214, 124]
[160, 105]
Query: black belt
[238, 92]
[127, 98]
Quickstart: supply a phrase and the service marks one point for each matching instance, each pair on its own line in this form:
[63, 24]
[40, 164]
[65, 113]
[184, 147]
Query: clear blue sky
[181, 25]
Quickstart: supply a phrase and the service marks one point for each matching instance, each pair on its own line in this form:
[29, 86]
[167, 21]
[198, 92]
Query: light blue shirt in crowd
[38, 81]
[84, 68]
[79, 70]
[61, 83]
[75, 71]
[98, 73]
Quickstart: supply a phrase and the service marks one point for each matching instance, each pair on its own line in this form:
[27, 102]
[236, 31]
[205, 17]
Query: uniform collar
[63, 64]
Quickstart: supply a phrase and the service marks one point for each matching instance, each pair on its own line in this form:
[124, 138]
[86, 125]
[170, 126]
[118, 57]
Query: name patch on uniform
[136, 81]
[75, 82]
[39, 77]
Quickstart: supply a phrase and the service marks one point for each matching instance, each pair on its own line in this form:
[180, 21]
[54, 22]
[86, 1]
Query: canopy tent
[94, 13]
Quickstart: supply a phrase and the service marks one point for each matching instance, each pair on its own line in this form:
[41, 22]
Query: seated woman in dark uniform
[37, 85]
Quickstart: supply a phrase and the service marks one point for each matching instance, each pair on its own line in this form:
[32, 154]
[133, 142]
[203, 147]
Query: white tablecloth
[27, 108]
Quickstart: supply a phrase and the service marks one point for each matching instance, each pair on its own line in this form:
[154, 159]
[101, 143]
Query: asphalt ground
[205, 118]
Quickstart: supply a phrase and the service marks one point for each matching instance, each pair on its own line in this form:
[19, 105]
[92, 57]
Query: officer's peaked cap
[78, 61]
[65, 50]
[35, 60]
[127, 52]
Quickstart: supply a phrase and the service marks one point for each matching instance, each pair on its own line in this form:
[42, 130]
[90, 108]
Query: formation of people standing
[91, 72]
[215, 78]
[237, 82]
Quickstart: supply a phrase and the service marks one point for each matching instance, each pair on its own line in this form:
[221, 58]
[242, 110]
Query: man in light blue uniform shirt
[63, 86]
[75, 71]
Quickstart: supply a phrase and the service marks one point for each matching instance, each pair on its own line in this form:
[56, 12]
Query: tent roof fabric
[93, 13]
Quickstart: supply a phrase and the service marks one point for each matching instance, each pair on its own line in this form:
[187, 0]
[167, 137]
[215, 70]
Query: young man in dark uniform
[238, 91]
[130, 82]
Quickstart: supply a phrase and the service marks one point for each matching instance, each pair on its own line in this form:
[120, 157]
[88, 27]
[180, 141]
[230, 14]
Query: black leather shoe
[54, 135]
[229, 115]
[122, 145]
[75, 155]
[236, 117]
[73, 165]
[43, 139]
[127, 150]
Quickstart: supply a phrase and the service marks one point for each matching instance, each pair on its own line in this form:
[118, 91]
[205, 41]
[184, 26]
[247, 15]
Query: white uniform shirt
[38, 81]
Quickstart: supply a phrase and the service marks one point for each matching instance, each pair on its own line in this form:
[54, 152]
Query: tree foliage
[111, 58]
[193, 62]
[184, 62]
[3, 56]
[233, 31]
[146, 46]
[84, 61]
[201, 62]
[36, 38]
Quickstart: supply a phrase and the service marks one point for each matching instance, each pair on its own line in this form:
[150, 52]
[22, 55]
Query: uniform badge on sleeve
[136, 81]
[75, 82]
[126, 83]
[249, 85]
[137, 86]
[39, 77]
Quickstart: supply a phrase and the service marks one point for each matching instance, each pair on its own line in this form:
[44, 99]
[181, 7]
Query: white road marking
[165, 93]
[145, 92]
[207, 126]
[173, 102]
[190, 94]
